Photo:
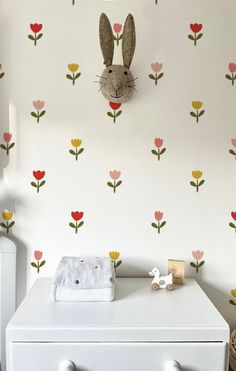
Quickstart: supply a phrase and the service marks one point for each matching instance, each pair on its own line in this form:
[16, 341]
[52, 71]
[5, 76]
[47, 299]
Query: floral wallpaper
[147, 180]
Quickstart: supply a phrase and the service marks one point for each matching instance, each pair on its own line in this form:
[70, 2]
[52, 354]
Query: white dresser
[141, 330]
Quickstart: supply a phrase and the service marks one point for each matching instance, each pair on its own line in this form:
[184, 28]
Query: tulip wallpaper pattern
[141, 182]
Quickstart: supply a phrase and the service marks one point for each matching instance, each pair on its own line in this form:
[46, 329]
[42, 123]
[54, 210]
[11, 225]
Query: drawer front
[117, 356]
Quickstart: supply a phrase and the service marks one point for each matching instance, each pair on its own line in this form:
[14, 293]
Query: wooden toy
[176, 267]
[161, 282]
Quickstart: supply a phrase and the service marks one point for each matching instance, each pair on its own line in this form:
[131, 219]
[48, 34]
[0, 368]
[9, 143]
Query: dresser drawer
[117, 356]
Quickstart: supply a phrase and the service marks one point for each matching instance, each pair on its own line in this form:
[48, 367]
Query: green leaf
[191, 37]
[154, 225]
[154, 152]
[193, 184]
[11, 145]
[69, 77]
[3, 225]
[34, 114]
[33, 184]
[201, 182]
[110, 114]
[199, 36]
[162, 224]
[118, 263]
[110, 184]
[2, 74]
[3, 146]
[72, 152]
[34, 265]
[118, 183]
[72, 225]
[193, 265]
[232, 225]
[193, 114]
[201, 263]
[42, 263]
[162, 151]
[152, 77]
[11, 224]
[201, 113]
[228, 77]
[80, 151]
[118, 113]
[31, 37]
[160, 76]
[42, 113]
[80, 224]
[39, 36]
[42, 183]
[232, 302]
[77, 75]
[231, 151]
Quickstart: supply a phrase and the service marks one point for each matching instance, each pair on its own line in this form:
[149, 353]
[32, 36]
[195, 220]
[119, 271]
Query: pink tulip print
[117, 28]
[160, 223]
[156, 67]
[115, 175]
[7, 146]
[233, 151]
[232, 69]
[195, 28]
[159, 149]
[231, 224]
[38, 105]
[1, 73]
[38, 256]
[197, 255]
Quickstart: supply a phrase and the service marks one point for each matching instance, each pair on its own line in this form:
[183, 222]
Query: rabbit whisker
[102, 77]
[132, 87]
[102, 87]
[99, 82]
[133, 79]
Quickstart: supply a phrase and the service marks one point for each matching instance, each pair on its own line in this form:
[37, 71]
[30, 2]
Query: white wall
[122, 221]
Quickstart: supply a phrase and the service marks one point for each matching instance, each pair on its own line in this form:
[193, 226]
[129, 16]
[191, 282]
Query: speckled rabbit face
[117, 82]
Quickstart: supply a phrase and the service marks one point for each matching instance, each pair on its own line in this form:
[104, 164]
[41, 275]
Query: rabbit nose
[117, 85]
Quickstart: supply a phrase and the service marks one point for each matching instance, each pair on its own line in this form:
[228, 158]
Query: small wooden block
[176, 267]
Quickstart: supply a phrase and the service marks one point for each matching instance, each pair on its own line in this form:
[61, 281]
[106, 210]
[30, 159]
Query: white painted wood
[66, 366]
[172, 366]
[117, 356]
[7, 290]
[185, 314]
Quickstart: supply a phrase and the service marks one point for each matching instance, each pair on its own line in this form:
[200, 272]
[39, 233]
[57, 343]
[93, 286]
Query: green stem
[233, 78]
[156, 78]
[73, 2]
[114, 187]
[197, 267]
[7, 148]
[158, 154]
[197, 186]
[35, 39]
[114, 116]
[38, 267]
[38, 186]
[37, 116]
[76, 227]
[117, 39]
[156, 2]
[7, 227]
[197, 118]
[195, 39]
[158, 228]
[76, 154]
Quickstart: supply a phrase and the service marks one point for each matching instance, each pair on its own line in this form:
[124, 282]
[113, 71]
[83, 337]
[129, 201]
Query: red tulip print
[77, 216]
[195, 28]
[7, 145]
[160, 224]
[35, 28]
[117, 27]
[38, 175]
[232, 151]
[1, 73]
[115, 175]
[232, 69]
[232, 225]
[115, 106]
[38, 256]
[156, 67]
[158, 143]
[198, 255]
[38, 105]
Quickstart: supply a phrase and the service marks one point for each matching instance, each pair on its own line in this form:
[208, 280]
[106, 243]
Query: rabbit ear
[129, 41]
[106, 39]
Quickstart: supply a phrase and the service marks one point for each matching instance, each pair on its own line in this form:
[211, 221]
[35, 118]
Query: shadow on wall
[7, 196]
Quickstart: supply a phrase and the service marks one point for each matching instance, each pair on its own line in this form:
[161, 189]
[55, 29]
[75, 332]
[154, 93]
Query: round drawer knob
[67, 366]
[172, 366]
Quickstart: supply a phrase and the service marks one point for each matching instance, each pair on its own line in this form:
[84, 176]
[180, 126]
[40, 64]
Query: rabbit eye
[110, 71]
[125, 72]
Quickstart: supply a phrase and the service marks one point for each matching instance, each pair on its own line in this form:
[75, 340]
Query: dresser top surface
[137, 313]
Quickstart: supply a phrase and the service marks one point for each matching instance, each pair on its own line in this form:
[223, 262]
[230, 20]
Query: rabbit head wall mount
[117, 82]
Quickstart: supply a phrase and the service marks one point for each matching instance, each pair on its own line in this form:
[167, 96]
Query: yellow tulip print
[114, 255]
[197, 174]
[231, 301]
[7, 216]
[197, 105]
[73, 67]
[76, 143]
